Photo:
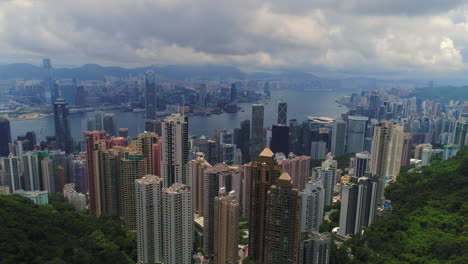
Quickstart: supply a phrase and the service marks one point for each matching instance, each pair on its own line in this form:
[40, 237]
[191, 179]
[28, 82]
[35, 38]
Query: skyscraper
[326, 176]
[215, 178]
[361, 164]
[280, 139]
[13, 172]
[98, 121]
[150, 95]
[233, 92]
[298, 168]
[62, 125]
[407, 145]
[5, 136]
[133, 166]
[197, 169]
[312, 206]
[358, 205]
[91, 166]
[256, 135]
[356, 130]
[149, 219]
[202, 96]
[282, 225]
[31, 172]
[282, 113]
[243, 142]
[177, 219]
[109, 124]
[48, 82]
[264, 172]
[387, 147]
[175, 150]
[226, 228]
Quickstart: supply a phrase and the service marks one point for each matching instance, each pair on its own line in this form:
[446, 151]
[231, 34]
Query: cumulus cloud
[371, 36]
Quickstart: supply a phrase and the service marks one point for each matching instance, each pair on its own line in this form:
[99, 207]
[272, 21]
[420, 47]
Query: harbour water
[301, 103]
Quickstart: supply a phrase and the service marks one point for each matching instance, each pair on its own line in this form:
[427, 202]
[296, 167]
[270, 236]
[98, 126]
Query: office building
[338, 141]
[387, 148]
[175, 150]
[202, 96]
[243, 140]
[48, 81]
[62, 126]
[263, 174]
[109, 124]
[315, 248]
[149, 219]
[5, 136]
[215, 178]
[312, 198]
[257, 131]
[298, 168]
[355, 133]
[197, 169]
[177, 219]
[226, 228]
[150, 95]
[282, 113]
[233, 92]
[282, 225]
[280, 139]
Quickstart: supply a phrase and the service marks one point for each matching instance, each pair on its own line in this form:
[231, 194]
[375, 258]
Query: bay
[301, 103]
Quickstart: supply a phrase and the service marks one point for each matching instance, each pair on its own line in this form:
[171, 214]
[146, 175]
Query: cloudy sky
[354, 37]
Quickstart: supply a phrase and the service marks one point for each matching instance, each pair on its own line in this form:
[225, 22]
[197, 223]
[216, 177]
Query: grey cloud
[329, 35]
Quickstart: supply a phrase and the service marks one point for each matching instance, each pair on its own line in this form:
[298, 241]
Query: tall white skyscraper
[312, 207]
[175, 150]
[387, 148]
[177, 218]
[149, 219]
[150, 95]
[31, 172]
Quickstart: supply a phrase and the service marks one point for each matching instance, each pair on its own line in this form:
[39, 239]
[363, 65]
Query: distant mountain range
[98, 72]
[303, 79]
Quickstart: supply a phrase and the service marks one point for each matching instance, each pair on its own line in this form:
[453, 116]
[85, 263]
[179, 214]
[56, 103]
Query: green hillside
[56, 234]
[429, 223]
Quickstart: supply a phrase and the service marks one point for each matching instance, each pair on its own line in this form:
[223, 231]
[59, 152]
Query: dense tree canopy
[55, 233]
[429, 223]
